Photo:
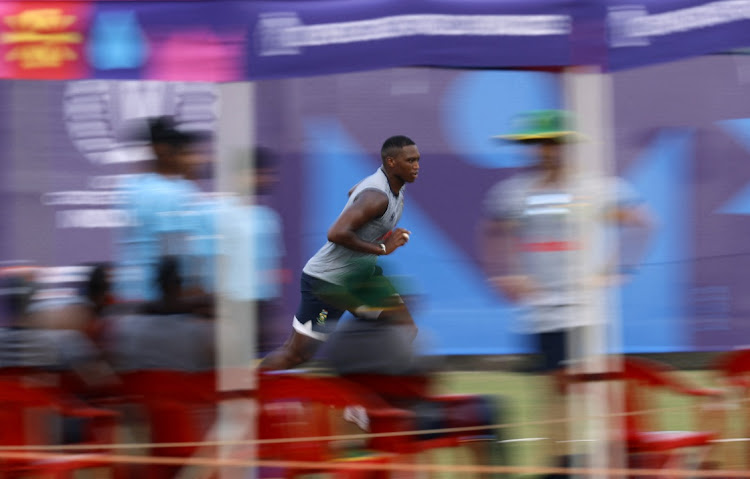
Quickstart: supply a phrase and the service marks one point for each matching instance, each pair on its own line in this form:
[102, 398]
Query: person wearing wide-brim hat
[547, 131]
[531, 247]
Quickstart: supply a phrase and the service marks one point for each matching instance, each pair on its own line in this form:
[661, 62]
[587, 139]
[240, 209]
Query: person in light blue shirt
[254, 244]
[159, 204]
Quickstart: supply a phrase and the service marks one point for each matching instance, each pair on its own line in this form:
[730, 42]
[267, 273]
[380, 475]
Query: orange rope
[353, 465]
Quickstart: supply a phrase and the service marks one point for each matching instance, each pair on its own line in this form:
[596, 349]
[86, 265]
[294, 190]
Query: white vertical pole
[589, 97]
[236, 322]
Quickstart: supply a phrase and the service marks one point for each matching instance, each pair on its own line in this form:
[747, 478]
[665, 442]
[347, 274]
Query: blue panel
[655, 301]
[117, 41]
[480, 105]
[740, 203]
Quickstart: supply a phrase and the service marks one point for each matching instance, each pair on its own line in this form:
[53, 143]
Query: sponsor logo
[42, 38]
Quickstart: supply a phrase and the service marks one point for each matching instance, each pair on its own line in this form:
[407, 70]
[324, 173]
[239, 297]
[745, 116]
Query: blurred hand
[608, 279]
[514, 287]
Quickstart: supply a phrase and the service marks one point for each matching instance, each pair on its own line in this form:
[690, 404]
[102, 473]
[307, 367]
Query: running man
[343, 274]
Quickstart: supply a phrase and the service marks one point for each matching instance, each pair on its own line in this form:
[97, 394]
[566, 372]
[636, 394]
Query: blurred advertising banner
[682, 132]
[44, 41]
[262, 39]
[681, 142]
[255, 40]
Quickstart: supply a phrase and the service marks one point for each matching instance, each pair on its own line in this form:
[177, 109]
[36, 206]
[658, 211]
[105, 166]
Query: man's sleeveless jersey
[334, 263]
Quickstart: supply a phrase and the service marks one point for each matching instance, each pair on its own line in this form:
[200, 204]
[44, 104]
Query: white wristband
[382, 246]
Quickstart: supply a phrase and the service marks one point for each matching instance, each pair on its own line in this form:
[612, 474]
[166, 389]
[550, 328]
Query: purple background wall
[681, 140]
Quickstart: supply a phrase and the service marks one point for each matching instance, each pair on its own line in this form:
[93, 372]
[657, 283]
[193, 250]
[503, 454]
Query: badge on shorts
[322, 316]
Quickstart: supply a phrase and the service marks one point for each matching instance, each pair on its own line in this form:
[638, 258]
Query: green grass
[520, 399]
[524, 399]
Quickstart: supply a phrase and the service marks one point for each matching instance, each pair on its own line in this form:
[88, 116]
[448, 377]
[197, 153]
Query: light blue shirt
[254, 251]
[161, 223]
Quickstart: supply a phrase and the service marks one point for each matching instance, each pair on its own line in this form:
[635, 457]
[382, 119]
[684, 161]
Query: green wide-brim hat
[543, 125]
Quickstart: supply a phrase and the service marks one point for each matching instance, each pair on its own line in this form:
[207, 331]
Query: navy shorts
[322, 303]
[317, 317]
[553, 346]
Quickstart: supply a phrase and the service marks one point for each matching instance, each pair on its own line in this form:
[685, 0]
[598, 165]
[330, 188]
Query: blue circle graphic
[480, 105]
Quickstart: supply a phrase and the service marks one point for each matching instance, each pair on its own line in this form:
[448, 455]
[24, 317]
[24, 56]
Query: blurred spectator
[62, 350]
[168, 333]
[197, 156]
[255, 247]
[159, 203]
[82, 312]
[532, 238]
[97, 290]
[201, 216]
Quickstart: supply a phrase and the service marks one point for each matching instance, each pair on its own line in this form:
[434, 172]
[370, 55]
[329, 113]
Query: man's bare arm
[500, 258]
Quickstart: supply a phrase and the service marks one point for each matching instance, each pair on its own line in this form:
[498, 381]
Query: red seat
[295, 405]
[179, 407]
[28, 400]
[452, 411]
[734, 366]
[405, 389]
[647, 445]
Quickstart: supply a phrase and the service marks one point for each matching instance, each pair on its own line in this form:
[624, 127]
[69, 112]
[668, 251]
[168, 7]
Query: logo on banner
[102, 116]
[632, 25]
[623, 26]
[284, 34]
[117, 41]
[37, 40]
[273, 31]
